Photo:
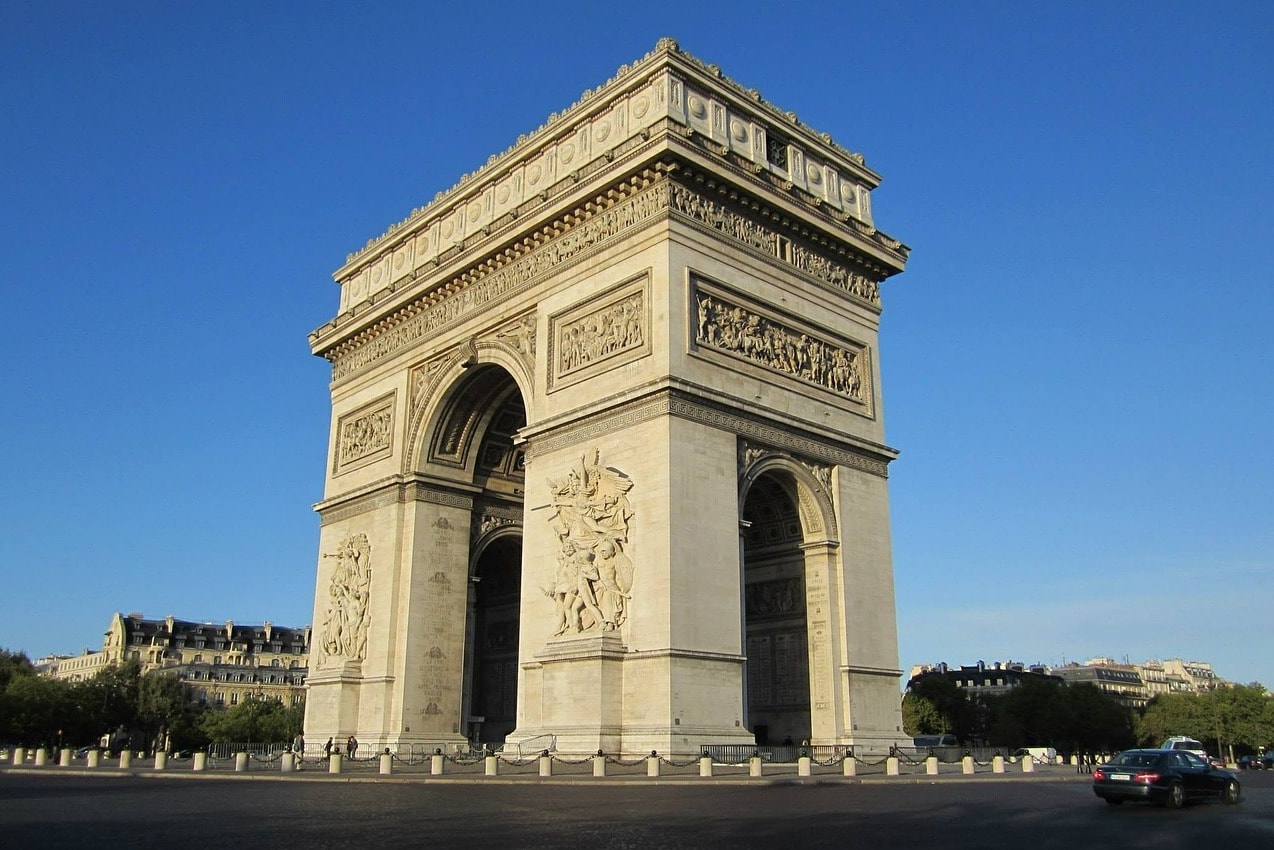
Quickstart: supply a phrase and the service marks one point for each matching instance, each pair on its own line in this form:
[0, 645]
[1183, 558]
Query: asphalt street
[77, 810]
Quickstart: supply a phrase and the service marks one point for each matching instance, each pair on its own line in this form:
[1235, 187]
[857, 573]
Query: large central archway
[776, 629]
[473, 441]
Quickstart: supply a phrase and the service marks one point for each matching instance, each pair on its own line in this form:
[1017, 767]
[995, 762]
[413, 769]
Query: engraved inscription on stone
[365, 435]
[730, 327]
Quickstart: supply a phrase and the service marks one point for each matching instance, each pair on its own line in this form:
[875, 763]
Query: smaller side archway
[491, 673]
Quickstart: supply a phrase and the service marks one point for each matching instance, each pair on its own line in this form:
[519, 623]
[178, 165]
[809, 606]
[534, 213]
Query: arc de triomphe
[607, 465]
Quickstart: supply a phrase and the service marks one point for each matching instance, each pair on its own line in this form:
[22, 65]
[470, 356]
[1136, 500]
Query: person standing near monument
[351, 744]
[327, 749]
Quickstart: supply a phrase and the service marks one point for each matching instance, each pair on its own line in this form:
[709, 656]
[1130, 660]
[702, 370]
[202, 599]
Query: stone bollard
[334, 763]
[41, 757]
[241, 763]
[386, 763]
[891, 766]
[1074, 761]
[652, 764]
[435, 764]
[199, 762]
[997, 763]
[491, 766]
[966, 765]
[287, 762]
[1028, 764]
[850, 766]
[546, 766]
[931, 766]
[125, 759]
[705, 765]
[754, 766]
[803, 766]
[19, 756]
[65, 756]
[161, 759]
[599, 764]
[94, 758]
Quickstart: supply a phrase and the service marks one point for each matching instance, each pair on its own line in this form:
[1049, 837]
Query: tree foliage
[1238, 718]
[254, 719]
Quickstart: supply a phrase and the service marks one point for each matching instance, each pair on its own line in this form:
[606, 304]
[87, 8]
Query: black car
[1167, 777]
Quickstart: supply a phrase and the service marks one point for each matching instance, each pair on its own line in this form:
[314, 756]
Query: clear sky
[1076, 362]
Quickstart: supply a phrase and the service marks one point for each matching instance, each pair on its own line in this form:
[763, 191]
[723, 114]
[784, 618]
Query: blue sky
[1075, 363]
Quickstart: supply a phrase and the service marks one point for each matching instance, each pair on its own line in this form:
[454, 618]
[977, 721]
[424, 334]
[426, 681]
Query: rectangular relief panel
[365, 435]
[734, 330]
[607, 330]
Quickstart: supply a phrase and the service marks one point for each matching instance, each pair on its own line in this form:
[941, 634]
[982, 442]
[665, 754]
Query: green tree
[256, 719]
[921, 717]
[950, 709]
[39, 710]
[166, 708]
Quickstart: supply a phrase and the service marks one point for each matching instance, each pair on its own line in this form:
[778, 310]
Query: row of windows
[208, 676]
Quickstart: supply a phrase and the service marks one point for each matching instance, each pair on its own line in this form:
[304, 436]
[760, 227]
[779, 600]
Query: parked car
[1251, 763]
[1168, 777]
[1192, 745]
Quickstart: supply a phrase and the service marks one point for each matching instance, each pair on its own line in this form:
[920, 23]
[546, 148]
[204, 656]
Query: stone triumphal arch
[607, 466]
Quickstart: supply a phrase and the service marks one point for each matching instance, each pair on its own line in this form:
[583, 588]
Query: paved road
[80, 811]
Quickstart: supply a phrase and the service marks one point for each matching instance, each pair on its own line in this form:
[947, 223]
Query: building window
[234, 698]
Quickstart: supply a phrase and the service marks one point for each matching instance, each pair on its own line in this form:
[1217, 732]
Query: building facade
[607, 465]
[224, 663]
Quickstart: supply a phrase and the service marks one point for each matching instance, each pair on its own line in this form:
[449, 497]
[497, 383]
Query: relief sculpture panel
[344, 634]
[726, 325]
[600, 334]
[594, 576]
[365, 435]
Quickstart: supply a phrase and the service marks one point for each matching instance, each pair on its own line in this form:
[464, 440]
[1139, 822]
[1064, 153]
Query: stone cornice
[692, 403]
[838, 261]
[392, 490]
[666, 92]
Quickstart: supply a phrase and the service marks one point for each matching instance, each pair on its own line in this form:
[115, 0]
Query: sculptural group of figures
[594, 576]
[345, 623]
[761, 340]
[612, 329]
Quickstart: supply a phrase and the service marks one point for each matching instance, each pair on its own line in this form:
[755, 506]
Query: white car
[1191, 745]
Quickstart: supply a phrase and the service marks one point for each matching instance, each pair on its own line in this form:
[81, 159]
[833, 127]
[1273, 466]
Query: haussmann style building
[607, 465]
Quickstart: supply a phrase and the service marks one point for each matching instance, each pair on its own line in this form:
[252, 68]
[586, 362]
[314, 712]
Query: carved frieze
[783, 597]
[782, 345]
[746, 231]
[600, 334]
[365, 435]
[344, 633]
[594, 575]
[542, 253]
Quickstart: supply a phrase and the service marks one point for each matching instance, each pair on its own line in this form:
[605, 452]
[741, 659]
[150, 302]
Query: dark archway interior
[497, 595]
[776, 628]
